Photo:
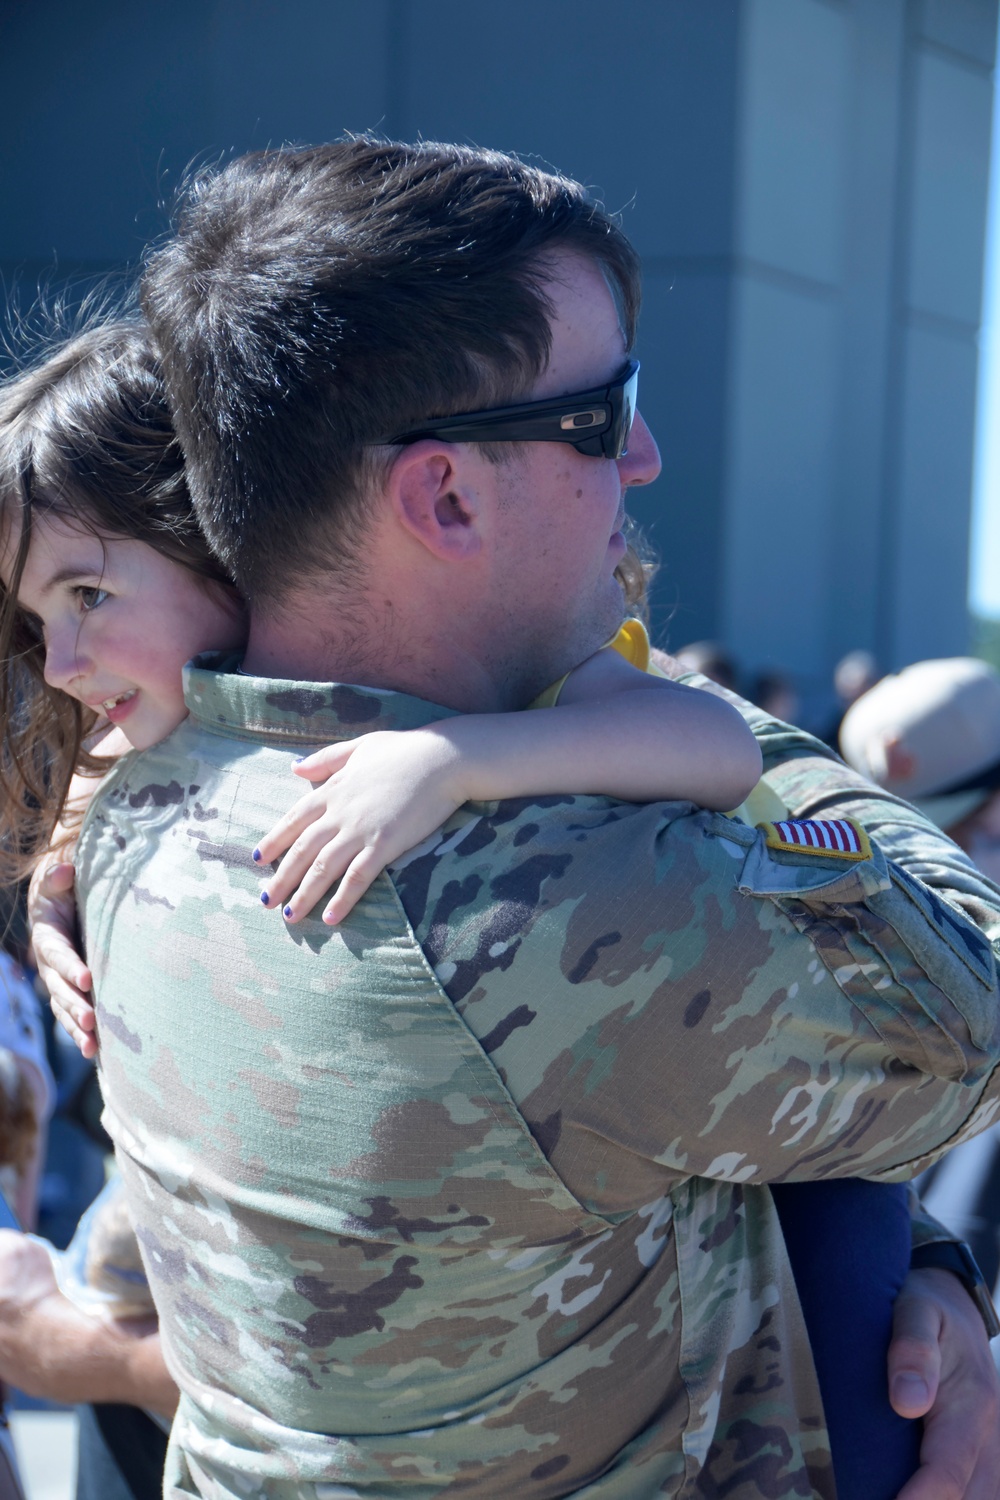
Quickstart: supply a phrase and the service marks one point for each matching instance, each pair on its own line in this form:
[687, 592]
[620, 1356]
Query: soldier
[469, 1193]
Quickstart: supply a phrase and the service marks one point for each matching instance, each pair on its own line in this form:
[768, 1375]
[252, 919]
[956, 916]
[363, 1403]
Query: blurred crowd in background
[776, 692]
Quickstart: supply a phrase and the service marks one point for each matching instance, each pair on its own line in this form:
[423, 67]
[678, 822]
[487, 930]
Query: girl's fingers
[75, 1016]
[325, 870]
[56, 959]
[60, 967]
[311, 846]
[363, 869]
[302, 815]
[67, 999]
[63, 966]
[57, 880]
[85, 1041]
[322, 763]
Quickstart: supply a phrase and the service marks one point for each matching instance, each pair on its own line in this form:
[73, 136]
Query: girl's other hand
[380, 795]
[52, 914]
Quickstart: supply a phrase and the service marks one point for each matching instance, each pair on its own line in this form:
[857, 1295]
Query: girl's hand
[380, 795]
[52, 914]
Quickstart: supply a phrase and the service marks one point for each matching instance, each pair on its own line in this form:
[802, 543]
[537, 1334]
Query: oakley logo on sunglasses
[596, 422]
[581, 419]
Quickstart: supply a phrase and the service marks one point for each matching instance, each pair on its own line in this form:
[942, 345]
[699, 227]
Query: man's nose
[641, 464]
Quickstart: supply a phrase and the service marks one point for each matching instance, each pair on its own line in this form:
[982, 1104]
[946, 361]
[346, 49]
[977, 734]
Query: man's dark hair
[315, 301]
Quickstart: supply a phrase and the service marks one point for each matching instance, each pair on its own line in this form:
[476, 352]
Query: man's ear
[432, 498]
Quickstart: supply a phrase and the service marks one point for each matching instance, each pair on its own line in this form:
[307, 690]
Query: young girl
[108, 589]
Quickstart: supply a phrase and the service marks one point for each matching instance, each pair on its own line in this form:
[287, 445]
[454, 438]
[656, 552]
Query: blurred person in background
[712, 660]
[27, 1087]
[27, 1090]
[78, 1327]
[853, 676]
[931, 734]
[774, 693]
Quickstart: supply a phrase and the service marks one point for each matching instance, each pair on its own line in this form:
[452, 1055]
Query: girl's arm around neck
[616, 731]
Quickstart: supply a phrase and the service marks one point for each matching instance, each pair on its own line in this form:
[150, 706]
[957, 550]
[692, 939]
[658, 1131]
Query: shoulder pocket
[896, 948]
[815, 878]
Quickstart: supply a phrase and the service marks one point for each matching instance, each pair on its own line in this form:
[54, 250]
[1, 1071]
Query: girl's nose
[64, 662]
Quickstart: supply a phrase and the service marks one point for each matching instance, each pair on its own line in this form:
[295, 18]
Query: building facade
[806, 181]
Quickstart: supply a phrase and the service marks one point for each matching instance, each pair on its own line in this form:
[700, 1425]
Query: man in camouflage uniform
[467, 1196]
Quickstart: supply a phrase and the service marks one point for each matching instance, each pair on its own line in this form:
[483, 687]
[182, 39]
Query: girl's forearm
[641, 746]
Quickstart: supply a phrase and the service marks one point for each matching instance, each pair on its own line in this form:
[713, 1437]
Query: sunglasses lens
[625, 415]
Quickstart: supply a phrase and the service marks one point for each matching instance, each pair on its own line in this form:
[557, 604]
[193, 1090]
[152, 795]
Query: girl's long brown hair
[636, 572]
[85, 435]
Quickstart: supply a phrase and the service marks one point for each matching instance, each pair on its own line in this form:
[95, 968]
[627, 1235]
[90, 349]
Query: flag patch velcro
[840, 837]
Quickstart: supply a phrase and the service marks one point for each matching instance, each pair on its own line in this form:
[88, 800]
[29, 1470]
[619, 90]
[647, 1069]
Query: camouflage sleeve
[659, 989]
[813, 782]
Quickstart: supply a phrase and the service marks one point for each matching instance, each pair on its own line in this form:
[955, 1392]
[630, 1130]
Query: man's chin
[606, 621]
[615, 610]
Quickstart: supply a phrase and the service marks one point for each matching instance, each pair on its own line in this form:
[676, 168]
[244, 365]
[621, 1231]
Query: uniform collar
[227, 701]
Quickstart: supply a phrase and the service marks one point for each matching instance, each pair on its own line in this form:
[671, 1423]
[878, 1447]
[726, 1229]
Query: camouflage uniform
[465, 1197]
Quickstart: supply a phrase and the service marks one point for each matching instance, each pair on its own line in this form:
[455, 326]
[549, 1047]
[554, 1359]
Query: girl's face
[119, 621]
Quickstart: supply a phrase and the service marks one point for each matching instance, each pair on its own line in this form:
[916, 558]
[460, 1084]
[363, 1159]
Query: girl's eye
[90, 598]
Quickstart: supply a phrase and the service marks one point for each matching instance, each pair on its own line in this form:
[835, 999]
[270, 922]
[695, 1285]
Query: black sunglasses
[596, 422]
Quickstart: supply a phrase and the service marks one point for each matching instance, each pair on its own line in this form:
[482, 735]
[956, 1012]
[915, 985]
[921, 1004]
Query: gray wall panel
[928, 562]
[782, 441]
[300, 71]
[644, 112]
[684, 347]
[101, 108]
[867, 299]
[968, 26]
[951, 163]
[793, 135]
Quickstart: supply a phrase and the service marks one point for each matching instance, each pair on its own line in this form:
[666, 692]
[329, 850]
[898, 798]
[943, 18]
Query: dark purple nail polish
[288, 912]
[299, 759]
[255, 856]
[265, 898]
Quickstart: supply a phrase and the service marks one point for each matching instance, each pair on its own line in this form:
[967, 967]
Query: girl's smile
[119, 708]
[119, 620]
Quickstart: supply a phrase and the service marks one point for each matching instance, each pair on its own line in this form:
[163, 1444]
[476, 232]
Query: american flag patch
[841, 837]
